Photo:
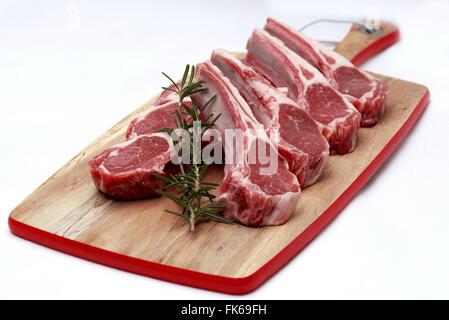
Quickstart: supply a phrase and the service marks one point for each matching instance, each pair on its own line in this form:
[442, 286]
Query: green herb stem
[193, 195]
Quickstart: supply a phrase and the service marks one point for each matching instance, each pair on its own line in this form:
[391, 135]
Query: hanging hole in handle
[369, 32]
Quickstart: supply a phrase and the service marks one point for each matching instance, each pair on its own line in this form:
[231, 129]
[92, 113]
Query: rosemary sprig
[192, 194]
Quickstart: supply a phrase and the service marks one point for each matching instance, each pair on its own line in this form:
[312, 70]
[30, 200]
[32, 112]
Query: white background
[69, 70]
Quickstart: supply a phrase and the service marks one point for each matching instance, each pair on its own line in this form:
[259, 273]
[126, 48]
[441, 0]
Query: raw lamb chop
[154, 119]
[250, 196]
[338, 118]
[364, 91]
[125, 171]
[300, 140]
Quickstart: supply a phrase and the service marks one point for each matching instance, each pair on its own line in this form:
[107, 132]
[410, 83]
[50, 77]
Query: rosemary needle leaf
[206, 189]
[169, 89]
[216, 118]
[208, 103]
[161, 177]
[176, 213]
[184, 77]
[171, 80]
[192, 74]
[210, 184]
[220, 218]
[199, 90]
[202, 171]
[168, 130]
[171, 197]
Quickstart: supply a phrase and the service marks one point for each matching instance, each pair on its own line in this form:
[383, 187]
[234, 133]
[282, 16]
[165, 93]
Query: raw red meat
[251, 197]
[364, 91]
[125, 171]
[154, 119]
[338, 118]
[300, 140]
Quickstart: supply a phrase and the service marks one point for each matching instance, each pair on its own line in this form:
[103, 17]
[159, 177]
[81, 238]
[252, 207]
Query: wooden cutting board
[67, 213]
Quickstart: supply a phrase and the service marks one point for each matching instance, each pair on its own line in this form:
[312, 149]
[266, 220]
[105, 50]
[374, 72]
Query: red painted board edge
[214, 282]
[376, 47]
